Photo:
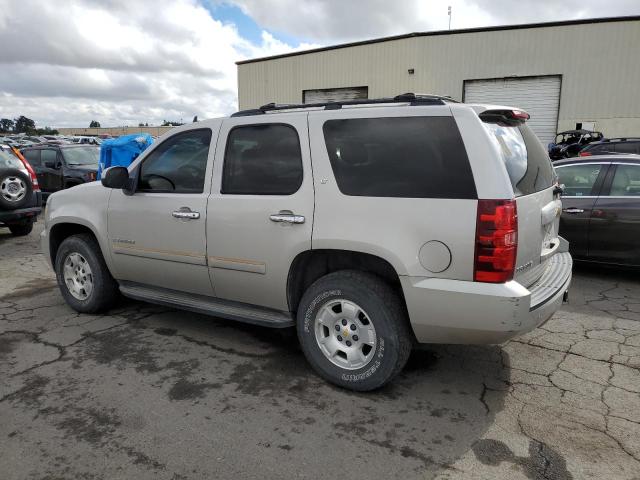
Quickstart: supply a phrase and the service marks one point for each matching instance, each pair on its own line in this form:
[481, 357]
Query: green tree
[94, 124]
[24, 125]
[6, 125]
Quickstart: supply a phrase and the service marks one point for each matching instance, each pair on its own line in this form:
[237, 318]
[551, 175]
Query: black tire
[22, 229]
[105, 291]
[386, 312]
[7, 173]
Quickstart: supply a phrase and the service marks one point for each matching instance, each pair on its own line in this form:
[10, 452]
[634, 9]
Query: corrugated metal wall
[598, 63]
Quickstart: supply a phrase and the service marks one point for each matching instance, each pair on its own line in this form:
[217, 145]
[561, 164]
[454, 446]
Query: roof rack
[410, 98]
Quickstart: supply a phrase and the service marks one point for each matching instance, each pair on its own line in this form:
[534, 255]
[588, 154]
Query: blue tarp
[122, 151]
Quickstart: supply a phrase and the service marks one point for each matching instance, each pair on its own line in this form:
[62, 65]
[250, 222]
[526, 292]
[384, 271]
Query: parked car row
[21, 140]
[585, 143]
[20, 196]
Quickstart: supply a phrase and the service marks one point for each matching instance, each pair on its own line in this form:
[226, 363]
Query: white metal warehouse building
[565, 74]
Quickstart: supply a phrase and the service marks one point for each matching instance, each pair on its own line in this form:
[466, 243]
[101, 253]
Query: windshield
[527, 162]
[82, 156]
[9, 160]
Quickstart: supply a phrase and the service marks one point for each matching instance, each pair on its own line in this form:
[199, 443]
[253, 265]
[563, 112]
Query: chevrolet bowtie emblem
[345, 333]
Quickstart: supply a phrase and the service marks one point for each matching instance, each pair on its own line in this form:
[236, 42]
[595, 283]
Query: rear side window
[32, 156]
[526, 160]
[626, 181]
[262, 160]
[414, 157]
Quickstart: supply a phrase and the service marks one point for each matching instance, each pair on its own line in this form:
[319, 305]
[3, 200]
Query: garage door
[325, 95]
[539, 96]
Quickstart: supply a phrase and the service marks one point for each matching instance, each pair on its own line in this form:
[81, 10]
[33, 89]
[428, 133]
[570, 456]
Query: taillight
[496, 241]
[27, 165]
[584, 154]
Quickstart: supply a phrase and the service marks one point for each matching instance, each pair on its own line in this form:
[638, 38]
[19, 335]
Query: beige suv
[368, 225]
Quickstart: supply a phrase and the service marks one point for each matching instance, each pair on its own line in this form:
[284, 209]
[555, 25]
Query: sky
[64, 63]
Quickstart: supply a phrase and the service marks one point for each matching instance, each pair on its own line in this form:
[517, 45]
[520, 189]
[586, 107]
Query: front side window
[410, 157]
[178, 164]
[262, 160]
[626, 181]
[578, 180]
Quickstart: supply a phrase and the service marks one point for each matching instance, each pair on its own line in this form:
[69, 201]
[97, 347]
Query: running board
[216, 307]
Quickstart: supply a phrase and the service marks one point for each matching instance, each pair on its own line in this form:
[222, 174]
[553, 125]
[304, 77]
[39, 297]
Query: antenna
[449, 13]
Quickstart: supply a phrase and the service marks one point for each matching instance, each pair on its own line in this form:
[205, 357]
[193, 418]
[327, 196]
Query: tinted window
[48, 156]
[417, 157]
[178, 164]
[527, 161]
[262, 160]
[599, 149]
[578, 180]
[626, 181]
[628, 147]
[32, 156]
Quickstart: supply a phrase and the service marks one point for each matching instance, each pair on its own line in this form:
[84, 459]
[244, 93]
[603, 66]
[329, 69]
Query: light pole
[449, 12]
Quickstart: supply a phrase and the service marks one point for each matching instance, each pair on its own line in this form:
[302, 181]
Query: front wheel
[353, 330]
[83, 277]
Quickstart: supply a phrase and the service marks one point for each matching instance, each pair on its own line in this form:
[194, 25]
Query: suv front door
[157, 235]
[260, 212]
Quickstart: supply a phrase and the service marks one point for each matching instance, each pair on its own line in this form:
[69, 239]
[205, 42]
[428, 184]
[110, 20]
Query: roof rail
[410, 98]
[621, 139]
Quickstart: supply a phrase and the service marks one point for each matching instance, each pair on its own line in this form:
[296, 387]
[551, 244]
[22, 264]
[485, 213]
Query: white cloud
[332, 21]
[67, 62]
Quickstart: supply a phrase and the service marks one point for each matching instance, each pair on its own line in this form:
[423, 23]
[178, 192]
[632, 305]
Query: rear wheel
[20, 230]
[83, 277]
[353, 330]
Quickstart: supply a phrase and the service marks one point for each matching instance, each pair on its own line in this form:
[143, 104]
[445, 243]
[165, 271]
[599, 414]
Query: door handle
[286, 218]
[185, 213]
[573, 210]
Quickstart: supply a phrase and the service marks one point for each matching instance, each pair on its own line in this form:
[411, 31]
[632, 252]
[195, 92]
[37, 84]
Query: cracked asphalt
[149, 392]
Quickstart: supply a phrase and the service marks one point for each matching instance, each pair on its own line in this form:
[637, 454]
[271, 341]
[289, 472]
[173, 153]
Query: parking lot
[149, 392]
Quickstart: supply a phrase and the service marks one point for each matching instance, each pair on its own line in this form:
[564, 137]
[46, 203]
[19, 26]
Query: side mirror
[116, 177]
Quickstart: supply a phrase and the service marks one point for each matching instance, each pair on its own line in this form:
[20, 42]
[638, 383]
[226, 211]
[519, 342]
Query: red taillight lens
[27, 165]
[520, 115]
[496, 241]
[584, 154]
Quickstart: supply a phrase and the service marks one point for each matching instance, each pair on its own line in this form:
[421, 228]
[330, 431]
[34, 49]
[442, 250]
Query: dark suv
[20, 197]
[63, 166]
[612, 145]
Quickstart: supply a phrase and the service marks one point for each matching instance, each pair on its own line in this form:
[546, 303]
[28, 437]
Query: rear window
[414, 157]
[527, 161]
[9, 160]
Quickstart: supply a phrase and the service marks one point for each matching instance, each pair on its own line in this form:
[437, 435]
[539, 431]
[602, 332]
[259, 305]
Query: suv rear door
[260, 213]
[532, 178]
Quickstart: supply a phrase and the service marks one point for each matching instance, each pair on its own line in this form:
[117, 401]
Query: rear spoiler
[511, 118]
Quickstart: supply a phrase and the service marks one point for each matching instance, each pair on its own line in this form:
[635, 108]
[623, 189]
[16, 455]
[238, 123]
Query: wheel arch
[64, 229]
[309, 265]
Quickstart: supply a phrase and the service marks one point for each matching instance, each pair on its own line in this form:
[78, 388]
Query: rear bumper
[454, 311]
[20, 215]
